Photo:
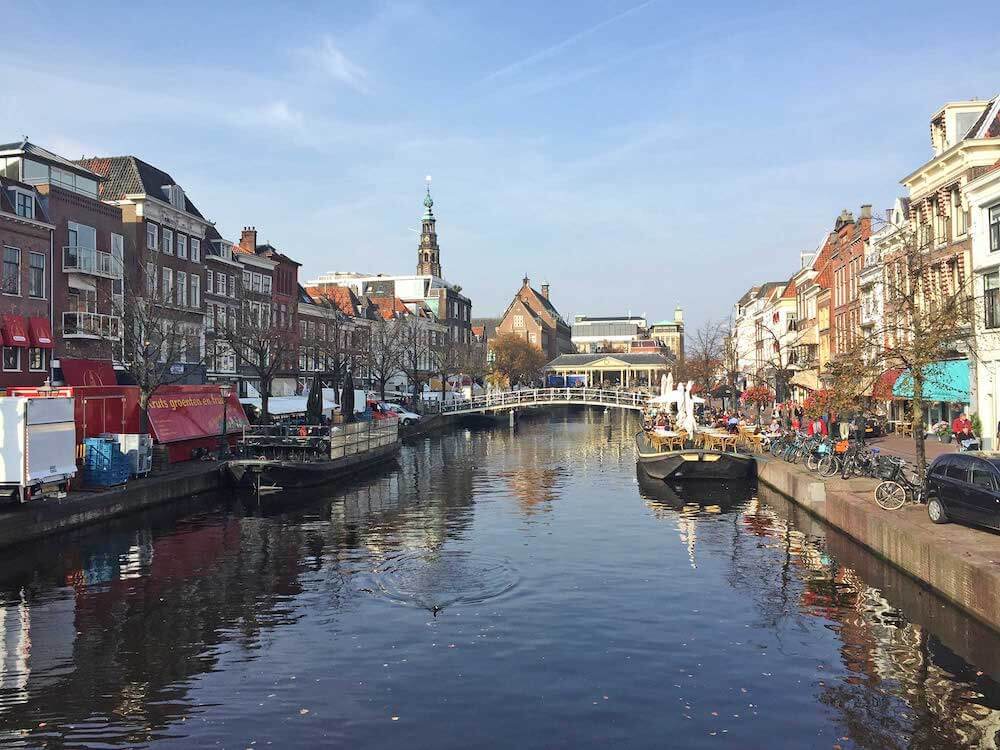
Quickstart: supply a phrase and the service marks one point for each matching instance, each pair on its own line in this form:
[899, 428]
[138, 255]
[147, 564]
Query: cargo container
[37, 446]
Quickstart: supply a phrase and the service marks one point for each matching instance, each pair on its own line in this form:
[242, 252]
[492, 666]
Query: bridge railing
[528, 396]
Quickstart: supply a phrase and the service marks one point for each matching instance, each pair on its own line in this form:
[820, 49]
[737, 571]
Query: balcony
[79, 259]
[87, 325]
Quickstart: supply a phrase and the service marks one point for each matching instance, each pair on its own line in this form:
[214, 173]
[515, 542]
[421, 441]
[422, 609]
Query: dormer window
[24, 204]
[175, 196]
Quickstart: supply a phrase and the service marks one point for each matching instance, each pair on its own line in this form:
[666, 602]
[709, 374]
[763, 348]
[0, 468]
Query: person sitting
[661, 421]
[961, 428]
[774, 426]
[732, 424]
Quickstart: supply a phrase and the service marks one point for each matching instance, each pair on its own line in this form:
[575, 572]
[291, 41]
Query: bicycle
[859, 461]
[897, 486]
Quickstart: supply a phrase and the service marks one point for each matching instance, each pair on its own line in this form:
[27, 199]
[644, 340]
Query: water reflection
[220, 622]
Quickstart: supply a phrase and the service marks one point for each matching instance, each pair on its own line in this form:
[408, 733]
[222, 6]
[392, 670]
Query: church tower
[428, 254]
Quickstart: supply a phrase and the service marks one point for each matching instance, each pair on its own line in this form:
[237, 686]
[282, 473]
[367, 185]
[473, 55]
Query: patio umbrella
[670, 381]
[347, 400]
[314, 404]
[664, 385]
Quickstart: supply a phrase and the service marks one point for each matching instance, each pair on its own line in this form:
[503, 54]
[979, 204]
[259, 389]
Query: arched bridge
[503, 400]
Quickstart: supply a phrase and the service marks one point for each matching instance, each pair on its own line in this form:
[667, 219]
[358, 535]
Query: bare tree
[928, 312]
[515, 360]
[414, 352]
[703, 354]
[337, 348]
[448, 358]
[385, 346]
[262, 344]
[148, 328]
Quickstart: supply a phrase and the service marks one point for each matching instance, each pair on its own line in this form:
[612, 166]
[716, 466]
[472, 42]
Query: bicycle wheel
[776, 447]
[890, 495]
[828, 465]
[812, 460]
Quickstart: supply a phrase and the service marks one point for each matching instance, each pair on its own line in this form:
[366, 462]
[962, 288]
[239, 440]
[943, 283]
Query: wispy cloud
[329, 59]
[280, 115]
[558, 47]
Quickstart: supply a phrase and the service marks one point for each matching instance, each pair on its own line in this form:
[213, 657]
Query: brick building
[532, 316]
[25, 294]
[223, 301]
[164, 238]
[849, 240]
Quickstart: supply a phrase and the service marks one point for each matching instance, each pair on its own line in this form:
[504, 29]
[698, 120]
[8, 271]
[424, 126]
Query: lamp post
[224, 390]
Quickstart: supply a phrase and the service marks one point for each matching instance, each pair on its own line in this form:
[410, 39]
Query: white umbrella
[670, 382]
[664, 385]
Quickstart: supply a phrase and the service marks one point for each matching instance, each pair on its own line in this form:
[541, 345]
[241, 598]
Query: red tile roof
[341, 297]
[389, 307]
[790, 290]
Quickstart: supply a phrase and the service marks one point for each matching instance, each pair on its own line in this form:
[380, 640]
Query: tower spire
[428, 254]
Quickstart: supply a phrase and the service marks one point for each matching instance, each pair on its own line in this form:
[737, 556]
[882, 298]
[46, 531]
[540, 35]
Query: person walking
[845, 425]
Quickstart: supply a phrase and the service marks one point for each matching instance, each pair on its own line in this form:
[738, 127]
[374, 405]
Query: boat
[692, 463]
[273, 458]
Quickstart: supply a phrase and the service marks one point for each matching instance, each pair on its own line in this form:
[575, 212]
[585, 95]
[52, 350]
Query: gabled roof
[790, 290]
[988, 124]
[128, 175]
[390, 307]
[270, 251]
[28, 148]
[342, 298]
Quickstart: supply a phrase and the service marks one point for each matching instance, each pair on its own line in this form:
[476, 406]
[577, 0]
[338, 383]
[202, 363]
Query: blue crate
[104, 464]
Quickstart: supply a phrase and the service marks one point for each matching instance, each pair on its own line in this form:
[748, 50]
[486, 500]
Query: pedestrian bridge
[504, 400]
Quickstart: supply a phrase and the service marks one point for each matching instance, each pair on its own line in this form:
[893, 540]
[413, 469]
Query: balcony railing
[88, 260]
[89, 325]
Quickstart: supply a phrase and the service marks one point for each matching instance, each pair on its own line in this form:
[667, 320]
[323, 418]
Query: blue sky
[636, 155]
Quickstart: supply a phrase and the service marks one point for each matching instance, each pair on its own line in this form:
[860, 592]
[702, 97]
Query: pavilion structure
[613, 369]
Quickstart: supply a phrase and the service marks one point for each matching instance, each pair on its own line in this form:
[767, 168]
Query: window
[210, 285]
[255, 282]
[36, 275]
[195, 291]
[957, 470]
[246, 280]
[24, 204]
[991, 299]
[12, 358]
[168, 241]
[221, 309]
[265, 284]
[994, 229]
[36, 360]
[220, 284]
[167, 285]
[118, 259]
[152, 232]
[150, 278]
[182, 289]
[232, 287]
[195, 250]
[11, 270]
[182, 246]
[303, 329]
[209, 317]
[518, 321]
[982, 475]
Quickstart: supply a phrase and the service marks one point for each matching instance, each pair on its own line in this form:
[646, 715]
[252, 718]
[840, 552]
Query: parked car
[965, 487]
[405, 416]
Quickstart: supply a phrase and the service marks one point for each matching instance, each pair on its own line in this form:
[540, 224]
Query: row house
[80, 274]
[746, 334]
[165, 234]
[886, 241]
[850, 239]
[965, 143]
[340, 334]
[224, 295]
[25, 283]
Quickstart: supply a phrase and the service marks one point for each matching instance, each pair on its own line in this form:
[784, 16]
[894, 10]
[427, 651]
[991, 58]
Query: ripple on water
[439, 579]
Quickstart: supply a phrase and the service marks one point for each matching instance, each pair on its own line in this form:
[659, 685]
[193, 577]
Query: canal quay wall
[959, 563]
[39, 518]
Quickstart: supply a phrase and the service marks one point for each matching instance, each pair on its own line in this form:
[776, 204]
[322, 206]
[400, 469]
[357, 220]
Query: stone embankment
[960, 563]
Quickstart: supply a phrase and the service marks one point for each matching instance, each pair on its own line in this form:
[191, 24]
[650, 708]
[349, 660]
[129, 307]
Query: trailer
[37, 446]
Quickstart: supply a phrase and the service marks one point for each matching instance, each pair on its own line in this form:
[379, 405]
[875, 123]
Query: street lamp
[224, 390]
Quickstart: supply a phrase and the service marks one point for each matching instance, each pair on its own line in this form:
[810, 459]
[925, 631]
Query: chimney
[678, 314]
[248, 240]
[545, 290]
[866, 211]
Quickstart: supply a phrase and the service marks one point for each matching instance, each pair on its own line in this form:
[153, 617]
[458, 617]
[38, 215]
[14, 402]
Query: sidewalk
[897, 445]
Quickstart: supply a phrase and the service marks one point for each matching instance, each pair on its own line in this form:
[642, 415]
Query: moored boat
[691, 463]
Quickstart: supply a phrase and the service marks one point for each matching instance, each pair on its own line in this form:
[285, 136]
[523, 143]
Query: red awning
[88, 372]
[40, 332]
[15, 332]
[882, 390]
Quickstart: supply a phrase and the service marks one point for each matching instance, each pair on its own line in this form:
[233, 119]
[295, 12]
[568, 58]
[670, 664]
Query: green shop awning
[944, 381]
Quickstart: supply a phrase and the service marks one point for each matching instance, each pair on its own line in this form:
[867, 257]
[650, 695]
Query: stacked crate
[104, 465]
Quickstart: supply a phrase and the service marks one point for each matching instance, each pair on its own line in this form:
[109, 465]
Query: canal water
[495, 589]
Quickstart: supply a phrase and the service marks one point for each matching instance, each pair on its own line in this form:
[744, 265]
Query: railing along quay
[546, 396]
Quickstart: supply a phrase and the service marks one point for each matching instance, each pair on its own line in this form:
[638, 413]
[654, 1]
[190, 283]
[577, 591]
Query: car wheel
[407, 422]
[936, 511]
